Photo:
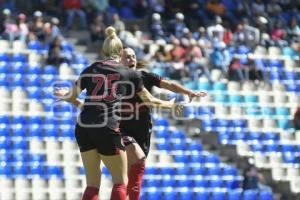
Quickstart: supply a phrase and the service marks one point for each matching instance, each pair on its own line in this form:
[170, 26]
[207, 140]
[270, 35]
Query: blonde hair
[112, 45]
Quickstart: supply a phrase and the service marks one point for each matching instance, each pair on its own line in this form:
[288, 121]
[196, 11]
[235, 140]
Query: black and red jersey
[106, 84]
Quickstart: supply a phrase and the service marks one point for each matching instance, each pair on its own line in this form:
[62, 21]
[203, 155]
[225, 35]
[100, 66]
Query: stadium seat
[202, 195]
[185, 195]
[168, 181]
[218, 195]
[216, 183]
[154, 195]
[51, 70]
[250, 194]
[235, 195]
[18, 68]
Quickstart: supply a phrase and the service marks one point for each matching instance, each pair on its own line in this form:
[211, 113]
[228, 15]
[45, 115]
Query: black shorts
[140, 130]
[105, 140]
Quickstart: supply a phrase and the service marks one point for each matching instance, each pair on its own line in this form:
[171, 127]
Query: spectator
[252, 33]
[236, 70]
[252, 72]
[126, 11]
[273, 9]
[296, 120]
[97, 6]
[203, 41]
[156, 28]
[157, 6]
[55, 53]
[140, 8]
[23, 27]
[251, 180]
[216, 32]
[10, 27]
[258, 8]
[74, 7]
[293, 29]
[178, 52]
[215, 7]
[36, 27]
[279, 33]
[220, 58]
[97, 29]
[117, 23]
[55, 30]
[178, 25]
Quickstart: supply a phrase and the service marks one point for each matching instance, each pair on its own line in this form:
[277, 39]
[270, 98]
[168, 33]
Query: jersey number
[110, 90]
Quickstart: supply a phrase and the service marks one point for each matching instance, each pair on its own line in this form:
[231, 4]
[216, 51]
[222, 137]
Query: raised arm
[69, 95]
[177, 88]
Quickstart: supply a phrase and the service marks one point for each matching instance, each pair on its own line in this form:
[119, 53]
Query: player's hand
[63, 94]
[177, 108]
[198, 94]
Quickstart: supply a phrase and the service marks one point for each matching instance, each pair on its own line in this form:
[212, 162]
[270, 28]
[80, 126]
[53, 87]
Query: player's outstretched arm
[177, 88]
[147, 98]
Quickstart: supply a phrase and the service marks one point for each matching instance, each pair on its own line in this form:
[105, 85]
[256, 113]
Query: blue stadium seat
[201, 183]
[17, 68]
[290, 158]
[254, 136]
[50, 131]
[258, 147]
[178, 146]
[267, 111]
[199, 171]
[34, 93]
[37, 169]
[282, 111]
[292, 87]
[154, 195]
[19, 130]
[185, 195]
[250, 194]
[34, 80]
[203, 86]
[164, 133]
[235, 195]
[181, 159]
[6, 170]
[168, 182]
[194, 146]
[204, 111]
[4, 130]
[4, 119]
[20, 156]
[34, 45]
[182, 171]
[202, 195]
[232, 184]
[219, 86]
[17, 80]
[49, 69]
[284, 124]
[230, 171]
[238, 136]
[219, 98]
[19, 120]
[20, 170]
[197, 159]
[20, 144]
[214, 171]
[251, 98]
[290, 76]
[4, 58]
[161, 122]
[169, 194]
[274, 76]
[265, 195]
[275, 64]
[54, 171]
[4, 67]
[4, 80]
[208, 124]
[48, 80]
[235, 99]
[271, 136]
[272, 147]
[37, 159]
[167, 171]
[154, 183]
[218, 195]
[35, 120]
[162, 146]
[35, 130]
[4, 143]
[190, 111]
[185, 183]
[212, 159]
[216, 183]
[285, 148]
[178, 134]
[19, 58]
[34, 69]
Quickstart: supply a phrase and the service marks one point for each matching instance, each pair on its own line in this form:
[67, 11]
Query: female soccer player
[137, 132]
[97, 129]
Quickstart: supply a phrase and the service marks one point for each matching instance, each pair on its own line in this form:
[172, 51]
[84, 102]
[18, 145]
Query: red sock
[118, 192]
[90, 193]
[135, 176]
